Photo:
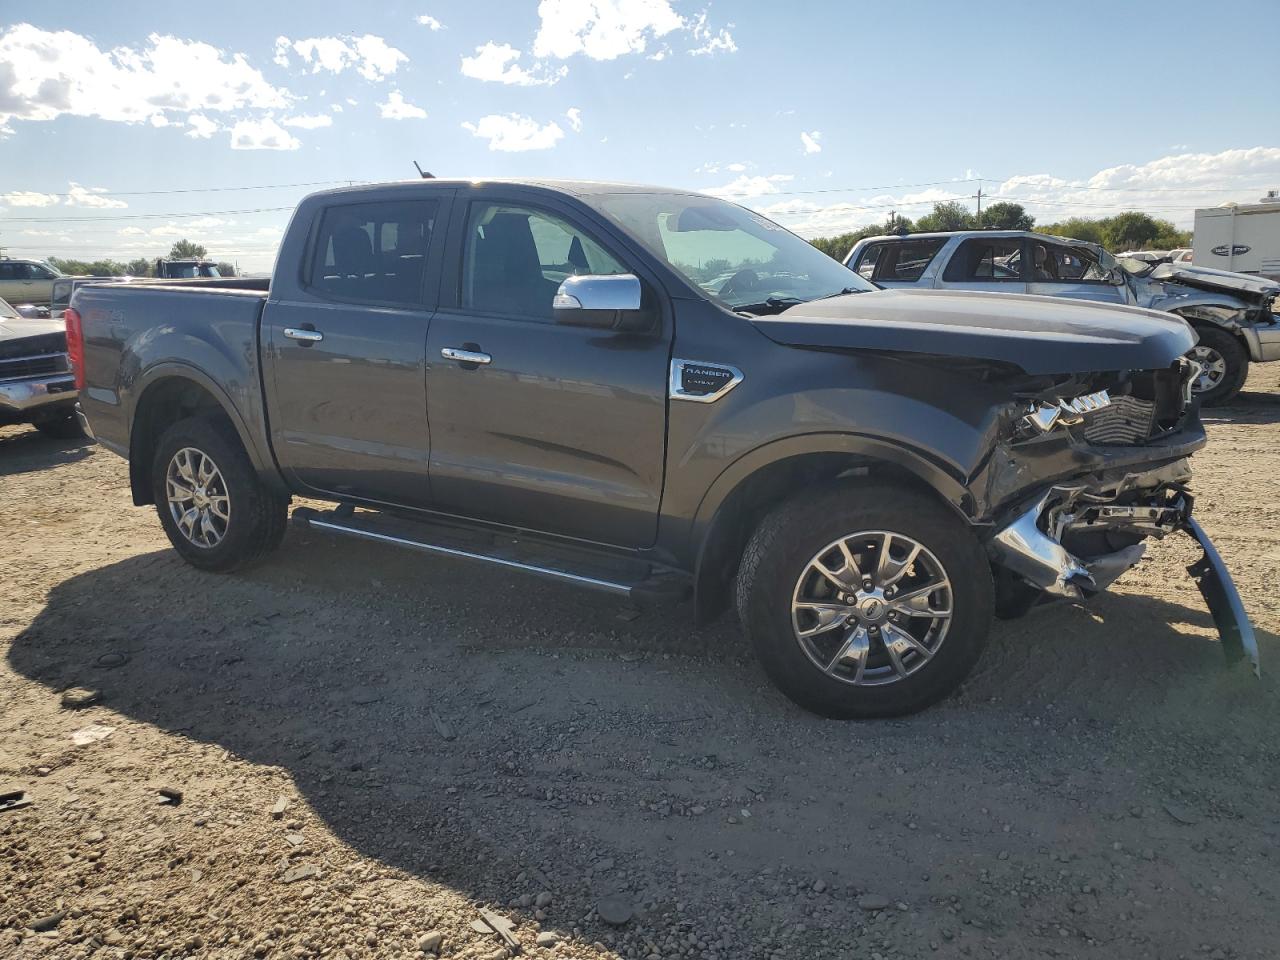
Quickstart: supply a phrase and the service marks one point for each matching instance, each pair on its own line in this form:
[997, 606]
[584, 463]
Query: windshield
[7, 312]
[737, 257]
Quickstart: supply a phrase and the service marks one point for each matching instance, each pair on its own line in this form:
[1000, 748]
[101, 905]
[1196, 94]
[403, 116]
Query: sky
[125, 126]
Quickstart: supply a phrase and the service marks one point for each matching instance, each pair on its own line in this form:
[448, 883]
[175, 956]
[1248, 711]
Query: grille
[39, 366]
[1126, 421]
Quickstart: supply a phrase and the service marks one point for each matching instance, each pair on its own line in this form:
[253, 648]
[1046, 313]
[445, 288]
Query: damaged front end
[1113, 467]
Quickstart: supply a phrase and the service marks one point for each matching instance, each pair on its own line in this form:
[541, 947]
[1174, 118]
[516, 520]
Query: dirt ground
[435, 738]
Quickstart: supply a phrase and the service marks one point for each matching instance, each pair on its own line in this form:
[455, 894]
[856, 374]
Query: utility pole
[978, 195]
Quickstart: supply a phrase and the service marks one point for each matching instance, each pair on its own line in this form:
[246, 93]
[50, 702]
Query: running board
[429, 538]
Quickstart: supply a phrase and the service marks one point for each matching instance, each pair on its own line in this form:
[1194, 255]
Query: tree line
[1131, 230]
[141, 267]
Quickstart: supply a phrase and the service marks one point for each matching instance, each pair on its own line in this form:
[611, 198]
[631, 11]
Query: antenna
[423, 173]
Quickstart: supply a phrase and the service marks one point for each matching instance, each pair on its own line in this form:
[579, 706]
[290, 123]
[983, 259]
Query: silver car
[27, 281]
[1233, 313]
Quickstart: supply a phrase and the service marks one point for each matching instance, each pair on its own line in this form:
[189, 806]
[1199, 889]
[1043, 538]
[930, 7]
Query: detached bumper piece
[1223, 599]
[1031, 546]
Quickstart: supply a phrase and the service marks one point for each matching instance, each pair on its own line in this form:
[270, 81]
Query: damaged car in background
[660, 395]
[1234, 314]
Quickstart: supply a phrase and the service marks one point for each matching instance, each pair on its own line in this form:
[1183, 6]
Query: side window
[38, 272]
[517, 257]
[868, 259]
[906, 260]
[1051, 263]
[8, 271]
[986, 259]
[373, 252]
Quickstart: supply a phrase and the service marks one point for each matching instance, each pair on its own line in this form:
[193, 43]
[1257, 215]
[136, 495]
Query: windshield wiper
[770, 304]
[841, 293]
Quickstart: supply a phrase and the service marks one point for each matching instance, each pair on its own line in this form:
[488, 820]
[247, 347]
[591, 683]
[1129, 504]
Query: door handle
[306, 336]
[465, 356]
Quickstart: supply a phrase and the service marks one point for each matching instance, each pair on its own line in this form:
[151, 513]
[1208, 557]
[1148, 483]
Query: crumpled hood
[1041, 335]
[1206, 278]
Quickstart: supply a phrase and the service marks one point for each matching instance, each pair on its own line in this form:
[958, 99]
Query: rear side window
[1050, 262]
[986, 259]
[901, 260]
[373, 252]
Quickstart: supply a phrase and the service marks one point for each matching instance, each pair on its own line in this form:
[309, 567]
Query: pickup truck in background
[659, 395]
[1233, 314]
[27, 281]
[37, 385]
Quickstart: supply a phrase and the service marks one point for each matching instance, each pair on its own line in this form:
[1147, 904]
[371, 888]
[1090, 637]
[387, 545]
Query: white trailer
[1242, 238]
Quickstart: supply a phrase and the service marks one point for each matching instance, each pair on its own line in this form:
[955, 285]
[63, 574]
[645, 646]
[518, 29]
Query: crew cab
[1233, 314]
[659, 395]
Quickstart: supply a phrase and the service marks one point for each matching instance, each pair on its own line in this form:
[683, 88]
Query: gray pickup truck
[1233, 314]
[36, 382]
[660, 395]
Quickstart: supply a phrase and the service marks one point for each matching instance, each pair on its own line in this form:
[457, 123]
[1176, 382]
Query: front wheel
[865, 600]
[1224, 365]
[214, 508]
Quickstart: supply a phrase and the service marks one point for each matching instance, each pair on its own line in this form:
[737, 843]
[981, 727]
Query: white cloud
[430, 22]
[131, 231]
[398, 108]
[513, 133]
[810, 141]
[745, 187]
[601, 29]
[28, 198]
[496, 62]
[159, 120]
[371, 56]
[1170, 187]
[264, 134]
[78, 196]
[335, 107]
[574, 116]
[736, 167]
[308, 121]
[710, 41]
[45, 74]
[202, 128]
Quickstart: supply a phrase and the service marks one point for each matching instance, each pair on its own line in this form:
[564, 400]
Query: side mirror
[613, 302]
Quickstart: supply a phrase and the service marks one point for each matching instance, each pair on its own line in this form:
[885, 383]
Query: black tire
[257, 514]
[790, 537]
[63, 428]
[1236, 358]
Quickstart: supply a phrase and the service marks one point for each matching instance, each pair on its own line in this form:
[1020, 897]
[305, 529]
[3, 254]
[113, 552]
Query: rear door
[345, 355]
[1068, 270]
[560, 429]
[993, 264]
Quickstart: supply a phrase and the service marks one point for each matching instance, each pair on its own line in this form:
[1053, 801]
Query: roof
[574, 187]
[998, 234]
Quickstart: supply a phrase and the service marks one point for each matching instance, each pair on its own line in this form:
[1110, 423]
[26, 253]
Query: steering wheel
[741, 282]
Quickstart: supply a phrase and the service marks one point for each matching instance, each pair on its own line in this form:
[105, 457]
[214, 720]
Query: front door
[555, 428]
[345, 361]
[1067, 270]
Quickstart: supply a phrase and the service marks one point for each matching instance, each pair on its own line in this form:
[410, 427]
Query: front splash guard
[1222, 598]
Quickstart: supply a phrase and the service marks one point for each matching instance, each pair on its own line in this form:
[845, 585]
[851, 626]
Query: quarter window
[986, 259]
[373, 252]
[901, 260]
[1052, 263]
[517, 257]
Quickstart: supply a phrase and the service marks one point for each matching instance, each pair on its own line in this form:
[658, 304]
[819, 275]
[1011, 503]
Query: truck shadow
[468, 727]
[27, 450]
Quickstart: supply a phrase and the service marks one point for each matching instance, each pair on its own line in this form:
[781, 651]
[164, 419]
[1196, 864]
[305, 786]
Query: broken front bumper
[1030, 545]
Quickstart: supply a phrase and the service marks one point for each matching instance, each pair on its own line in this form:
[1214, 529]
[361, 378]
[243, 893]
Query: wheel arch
[766, 477]
[172, 393]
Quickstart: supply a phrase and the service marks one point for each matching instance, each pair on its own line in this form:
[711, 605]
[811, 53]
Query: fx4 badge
[701, 382]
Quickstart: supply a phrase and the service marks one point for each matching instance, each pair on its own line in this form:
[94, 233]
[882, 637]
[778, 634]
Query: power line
[143, 216]
[156, 193]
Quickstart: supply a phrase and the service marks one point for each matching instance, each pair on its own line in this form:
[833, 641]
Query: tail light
[75, 345]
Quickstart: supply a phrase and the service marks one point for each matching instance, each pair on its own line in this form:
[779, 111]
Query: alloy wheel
[1213, 368]
[872, 608]
[198, 498]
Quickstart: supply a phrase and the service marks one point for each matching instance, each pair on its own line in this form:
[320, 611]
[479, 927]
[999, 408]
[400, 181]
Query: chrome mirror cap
[616, 292]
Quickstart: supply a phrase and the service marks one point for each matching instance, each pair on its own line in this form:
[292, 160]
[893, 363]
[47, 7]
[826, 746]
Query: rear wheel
[1224, 365]
[215, 510]
[865, 600]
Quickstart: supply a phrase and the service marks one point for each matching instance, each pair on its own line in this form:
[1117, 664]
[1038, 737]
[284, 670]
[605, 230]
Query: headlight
[1042, 416]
